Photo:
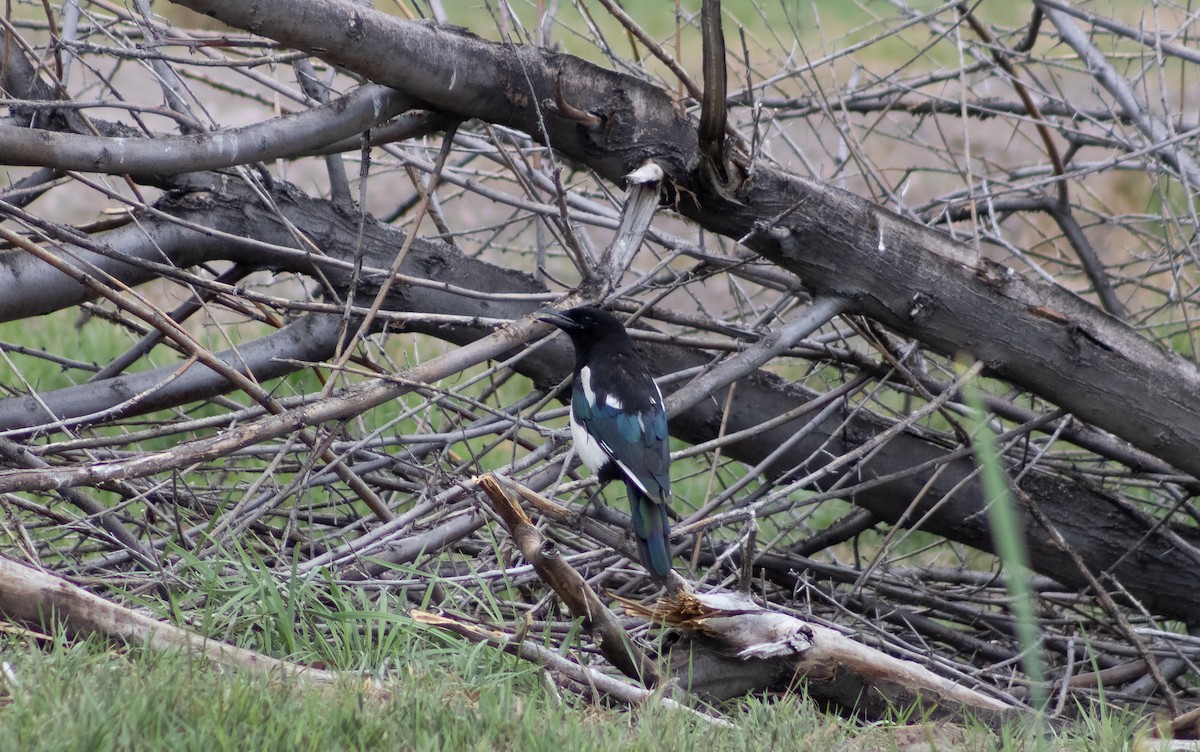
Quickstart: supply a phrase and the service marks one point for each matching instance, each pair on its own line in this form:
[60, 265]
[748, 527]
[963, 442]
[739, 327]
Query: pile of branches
[322, 350]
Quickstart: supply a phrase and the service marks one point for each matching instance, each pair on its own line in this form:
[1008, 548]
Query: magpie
[618, 423]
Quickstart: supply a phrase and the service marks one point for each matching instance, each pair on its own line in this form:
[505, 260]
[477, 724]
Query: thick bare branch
[170, 155]
[911, 278]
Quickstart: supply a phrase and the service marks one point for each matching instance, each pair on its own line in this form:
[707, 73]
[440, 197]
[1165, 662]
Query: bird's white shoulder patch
[613, 401]
[585, 382]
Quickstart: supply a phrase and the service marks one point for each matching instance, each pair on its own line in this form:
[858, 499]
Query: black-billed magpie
[618, 423]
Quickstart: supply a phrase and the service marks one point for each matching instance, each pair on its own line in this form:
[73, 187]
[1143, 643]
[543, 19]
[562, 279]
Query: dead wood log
[732, 646]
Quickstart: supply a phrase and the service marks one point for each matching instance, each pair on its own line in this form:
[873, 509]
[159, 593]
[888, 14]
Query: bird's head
[585, 325]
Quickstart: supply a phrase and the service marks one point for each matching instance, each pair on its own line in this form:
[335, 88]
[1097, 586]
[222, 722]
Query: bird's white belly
[590, 451]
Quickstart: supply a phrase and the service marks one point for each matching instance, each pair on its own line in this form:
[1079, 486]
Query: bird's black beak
[557, 318]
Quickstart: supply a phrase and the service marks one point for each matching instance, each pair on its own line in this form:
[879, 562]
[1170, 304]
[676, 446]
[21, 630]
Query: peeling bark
[732, 646]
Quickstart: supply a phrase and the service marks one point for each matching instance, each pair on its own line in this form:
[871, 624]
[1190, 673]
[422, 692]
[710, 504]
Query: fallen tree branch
[574, 591]
[780, 651]
[583, 675]
[1102, 528]
[44, 601]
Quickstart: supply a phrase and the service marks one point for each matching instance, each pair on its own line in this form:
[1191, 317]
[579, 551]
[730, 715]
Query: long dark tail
[652, 528]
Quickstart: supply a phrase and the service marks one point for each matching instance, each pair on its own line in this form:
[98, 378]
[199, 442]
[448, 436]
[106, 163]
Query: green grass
[444, 693]
[137, 700]
[92, 696]
[57, 333]
[457, 700]
[1010, 546]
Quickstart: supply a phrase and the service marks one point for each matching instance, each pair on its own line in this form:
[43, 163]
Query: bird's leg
[596, 501]
[605, 475]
